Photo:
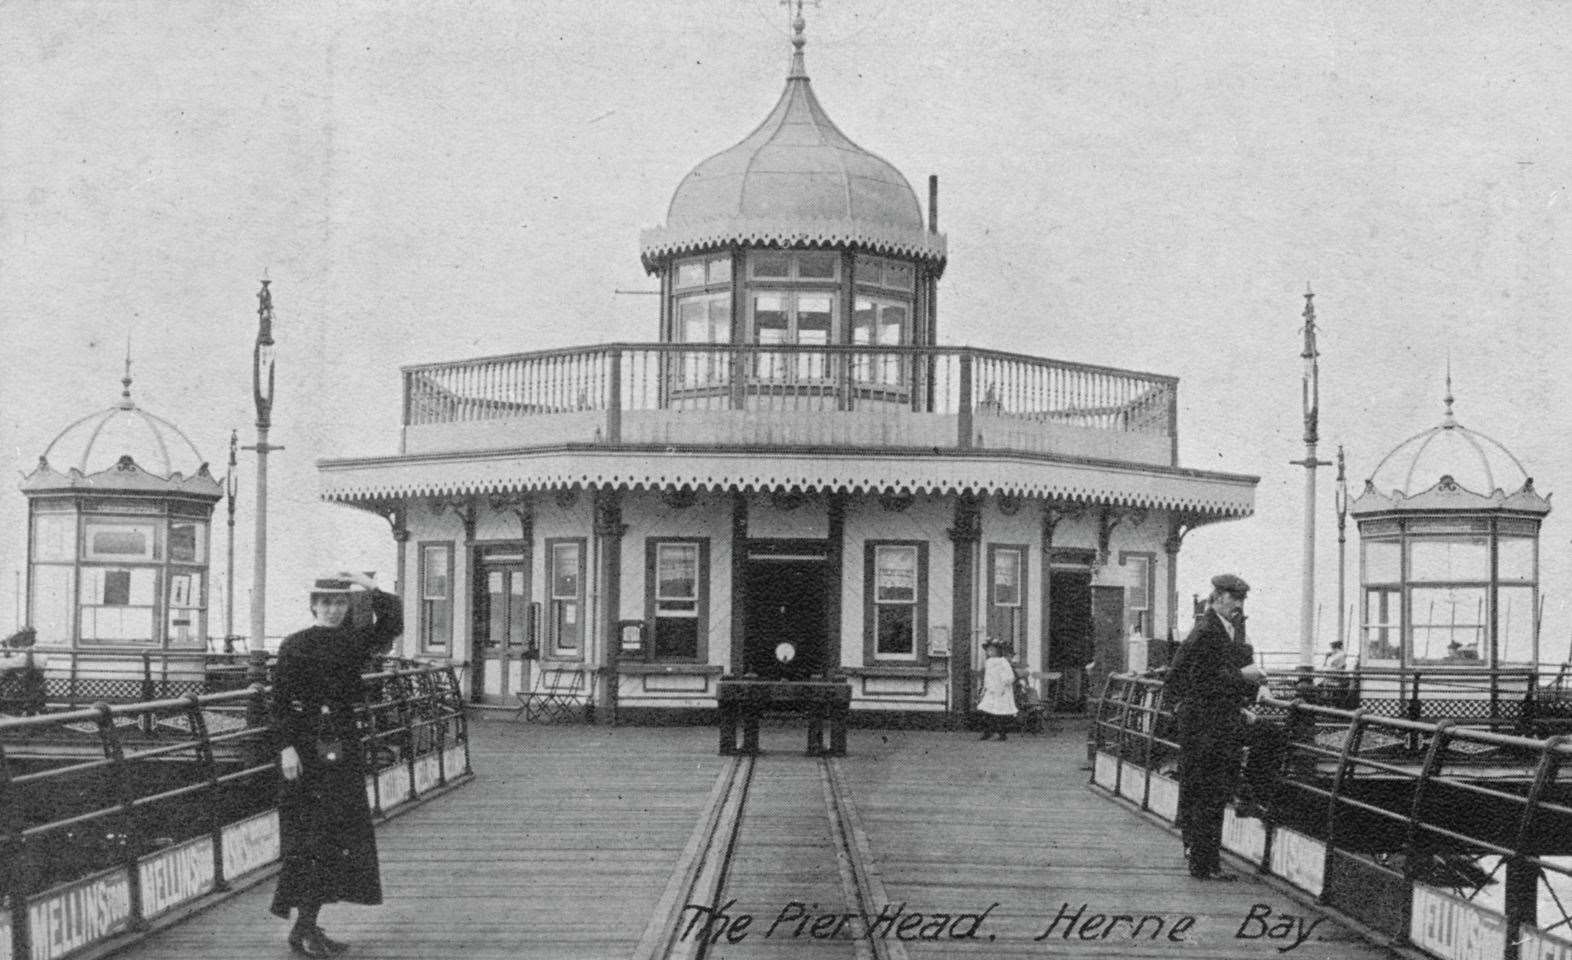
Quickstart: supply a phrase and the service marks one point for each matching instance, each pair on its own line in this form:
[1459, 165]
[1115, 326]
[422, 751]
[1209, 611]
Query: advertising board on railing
[176, 875]
[5, 929]
[1105, 770]
[250, 844]
[1299, 859]
[427, 773]
[453, 761]
[1535, 944]
[1453, 928]
[1132, 781]
[1163, 798]
[1244, 835]
[85, 912]
[393, 786]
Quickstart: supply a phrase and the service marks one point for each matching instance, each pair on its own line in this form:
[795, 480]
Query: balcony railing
[838, 395]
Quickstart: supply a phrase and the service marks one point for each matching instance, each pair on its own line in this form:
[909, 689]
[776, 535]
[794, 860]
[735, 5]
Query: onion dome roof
[796, 179]
[1450, 467]
[122, 448]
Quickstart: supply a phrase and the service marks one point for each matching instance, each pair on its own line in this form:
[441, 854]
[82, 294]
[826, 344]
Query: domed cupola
[1449, 552]
[119, 509]
[796, 236]
[1450, 466]
[796, 179]
[100, 449]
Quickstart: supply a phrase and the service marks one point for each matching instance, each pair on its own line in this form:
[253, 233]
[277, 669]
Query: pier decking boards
[567, 841]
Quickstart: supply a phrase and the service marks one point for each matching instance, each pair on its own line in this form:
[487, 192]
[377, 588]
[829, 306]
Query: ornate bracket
[1055, 513]
[397, 518]
[521, 505]
[896, 501]
[608, 515]
[968, 519]
[464, 508]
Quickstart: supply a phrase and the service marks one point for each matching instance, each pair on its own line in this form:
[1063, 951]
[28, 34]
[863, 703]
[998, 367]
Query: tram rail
[693, 915]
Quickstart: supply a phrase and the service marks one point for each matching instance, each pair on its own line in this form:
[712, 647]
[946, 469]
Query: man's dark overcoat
[1208, 692]
[329, 847]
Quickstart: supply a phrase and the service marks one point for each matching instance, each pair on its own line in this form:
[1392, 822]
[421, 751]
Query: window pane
[1449, 623]
[1383, 625]
[869, 270]
[53, 596]
[769, 263]
[1007, 577]
[720, 270]
[54, 537]
[184, 607]
[895, 574]
[496, 607]
[187, 542]
[814, 315]
[677, 571]
[769, 317]
[816, 266]
[894, 630]
[862, 321]
[690, 274]
[693, 320]
[119, 541]
[1446, 560]
[1140, 577]
[1382, 561]
[677, 637]
[1515, 625]
[566, 624]
[892, 325]
[565, 570]
[1515, 558]
[436, 569]
[898, 275]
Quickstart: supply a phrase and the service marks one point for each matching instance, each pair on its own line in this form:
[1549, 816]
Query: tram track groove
[860, 877]
[701, 867]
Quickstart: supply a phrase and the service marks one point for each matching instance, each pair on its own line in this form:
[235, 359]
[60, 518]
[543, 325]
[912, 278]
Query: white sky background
[1141, 185]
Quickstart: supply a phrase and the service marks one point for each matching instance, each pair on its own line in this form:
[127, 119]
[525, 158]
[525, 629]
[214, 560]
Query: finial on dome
[125, 381]
[1449, 422]
[798, 69]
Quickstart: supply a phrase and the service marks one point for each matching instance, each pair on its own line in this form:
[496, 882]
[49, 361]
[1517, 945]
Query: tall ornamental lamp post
[1311, 402]
[1340, 503]
[262, 393]
[229, 570]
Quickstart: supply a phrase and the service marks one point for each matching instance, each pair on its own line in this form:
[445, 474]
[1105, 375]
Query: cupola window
[793, 297]
[701, 306]
[881, 317]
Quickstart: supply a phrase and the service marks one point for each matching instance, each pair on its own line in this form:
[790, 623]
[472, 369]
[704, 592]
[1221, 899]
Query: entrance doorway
[786, 625]
[502, 625]
[1070, 633]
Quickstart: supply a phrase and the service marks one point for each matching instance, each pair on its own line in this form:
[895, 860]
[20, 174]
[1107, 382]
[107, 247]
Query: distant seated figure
[1456, 651]
[1336, 658]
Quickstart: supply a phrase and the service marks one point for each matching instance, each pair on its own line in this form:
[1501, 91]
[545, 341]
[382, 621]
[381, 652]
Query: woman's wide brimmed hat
[331, 585]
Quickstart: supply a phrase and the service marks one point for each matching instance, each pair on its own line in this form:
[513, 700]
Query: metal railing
[986, 391]
[1441, 834]
[129, 811]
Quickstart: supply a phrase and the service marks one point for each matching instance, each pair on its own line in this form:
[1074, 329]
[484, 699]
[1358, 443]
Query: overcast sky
[1144, 185]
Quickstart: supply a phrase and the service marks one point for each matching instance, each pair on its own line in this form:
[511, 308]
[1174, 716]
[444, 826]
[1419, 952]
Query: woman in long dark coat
[329, 847]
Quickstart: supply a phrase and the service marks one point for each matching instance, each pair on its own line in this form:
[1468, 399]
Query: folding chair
[555, 696]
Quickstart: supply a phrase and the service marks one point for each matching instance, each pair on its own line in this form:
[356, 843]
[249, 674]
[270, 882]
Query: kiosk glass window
[119, 541]
[1449, 625]
[1383, 625]
[1383, 561]
[186, 618]
[1515, 559]
[52, 602]
[116, 604]
[1449, 560]
[1515, 614]
[54, 537]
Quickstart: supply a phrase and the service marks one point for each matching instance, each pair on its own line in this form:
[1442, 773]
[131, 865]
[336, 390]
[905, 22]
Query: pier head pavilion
[797, 479]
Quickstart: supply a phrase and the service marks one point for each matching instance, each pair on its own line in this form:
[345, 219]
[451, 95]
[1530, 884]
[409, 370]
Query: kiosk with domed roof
[797, 481]
[118, 516]
[1449, 540]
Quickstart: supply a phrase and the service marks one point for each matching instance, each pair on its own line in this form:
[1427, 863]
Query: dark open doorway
[787, 612]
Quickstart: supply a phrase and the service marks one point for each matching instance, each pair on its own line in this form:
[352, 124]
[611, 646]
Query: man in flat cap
[1213, 678]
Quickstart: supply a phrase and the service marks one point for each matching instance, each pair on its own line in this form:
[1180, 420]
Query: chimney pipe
[933, 203]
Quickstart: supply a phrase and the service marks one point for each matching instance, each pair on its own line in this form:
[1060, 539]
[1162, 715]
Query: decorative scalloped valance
[370, 480]
[126, 476]
[659, 243]
[1448, 496]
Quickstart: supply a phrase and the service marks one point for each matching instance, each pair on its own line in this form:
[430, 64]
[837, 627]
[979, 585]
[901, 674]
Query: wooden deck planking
[956, 825]
[566, 840]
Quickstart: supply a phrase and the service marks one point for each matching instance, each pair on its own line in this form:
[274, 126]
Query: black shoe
[309, 943]
[334, 946]
[986, 736]
[1003, 738]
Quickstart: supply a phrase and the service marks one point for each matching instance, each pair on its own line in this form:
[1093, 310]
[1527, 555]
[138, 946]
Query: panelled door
[501, 626]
